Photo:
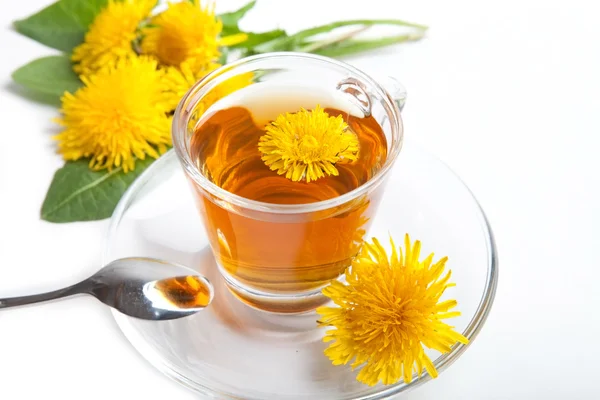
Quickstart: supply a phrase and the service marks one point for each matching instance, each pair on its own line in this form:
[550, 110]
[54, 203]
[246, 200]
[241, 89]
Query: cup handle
[395, 89]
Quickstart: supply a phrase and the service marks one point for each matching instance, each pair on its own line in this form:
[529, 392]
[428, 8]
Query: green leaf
[231, 19]
[84, 11]
[61, 25]
[51, 75]
[79, 194]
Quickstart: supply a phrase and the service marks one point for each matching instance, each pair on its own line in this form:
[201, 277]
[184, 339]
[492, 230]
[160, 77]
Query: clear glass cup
[278, 257]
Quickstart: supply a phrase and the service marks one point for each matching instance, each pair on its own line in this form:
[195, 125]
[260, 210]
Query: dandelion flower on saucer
[110, 37]
[119, 115]
[307, 144]
[187, 31]
[387, 311]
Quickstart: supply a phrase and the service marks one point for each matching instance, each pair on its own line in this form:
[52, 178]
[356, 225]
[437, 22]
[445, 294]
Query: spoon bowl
[143, 288]
[132, 286]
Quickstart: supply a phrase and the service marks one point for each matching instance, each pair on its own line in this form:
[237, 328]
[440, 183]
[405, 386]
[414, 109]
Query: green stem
[355, 46]
[331, 26]
[291, 42]
[311, 47]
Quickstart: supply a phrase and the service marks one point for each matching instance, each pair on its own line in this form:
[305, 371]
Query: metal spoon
[143, 288]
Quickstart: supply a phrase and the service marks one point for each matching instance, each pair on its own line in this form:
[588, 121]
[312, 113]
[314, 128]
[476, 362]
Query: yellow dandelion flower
[186, 32]
[180, 80]
[387, 311]
[119, 115]
[111, 35]
[307, 144]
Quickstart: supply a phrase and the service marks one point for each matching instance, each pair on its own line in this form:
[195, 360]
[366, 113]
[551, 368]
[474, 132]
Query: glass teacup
[276, 245]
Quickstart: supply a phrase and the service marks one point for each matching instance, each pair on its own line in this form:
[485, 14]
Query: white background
[507, 93]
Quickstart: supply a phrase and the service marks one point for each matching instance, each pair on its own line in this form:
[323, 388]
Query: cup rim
[180, 120]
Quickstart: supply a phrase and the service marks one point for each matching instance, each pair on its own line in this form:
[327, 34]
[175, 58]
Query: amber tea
[184, 292]
[291, 255]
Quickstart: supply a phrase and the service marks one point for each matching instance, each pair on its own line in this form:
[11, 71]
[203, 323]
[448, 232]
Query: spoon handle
[42, 297]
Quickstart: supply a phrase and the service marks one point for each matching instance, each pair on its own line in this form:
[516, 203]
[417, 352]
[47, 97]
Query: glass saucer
[232, 351]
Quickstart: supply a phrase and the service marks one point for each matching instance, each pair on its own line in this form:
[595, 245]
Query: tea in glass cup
[278, 240]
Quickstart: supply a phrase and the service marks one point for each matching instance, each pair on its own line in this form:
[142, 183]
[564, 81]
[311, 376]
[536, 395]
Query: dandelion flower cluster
[135, 67]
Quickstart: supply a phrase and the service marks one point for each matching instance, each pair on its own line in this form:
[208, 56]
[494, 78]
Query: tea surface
[225, 148]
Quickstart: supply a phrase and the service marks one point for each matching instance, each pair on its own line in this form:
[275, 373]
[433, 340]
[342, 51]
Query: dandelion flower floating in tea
[387, 311]
[188, 31]
[307, 144]
[119, 115]
[110, 36]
